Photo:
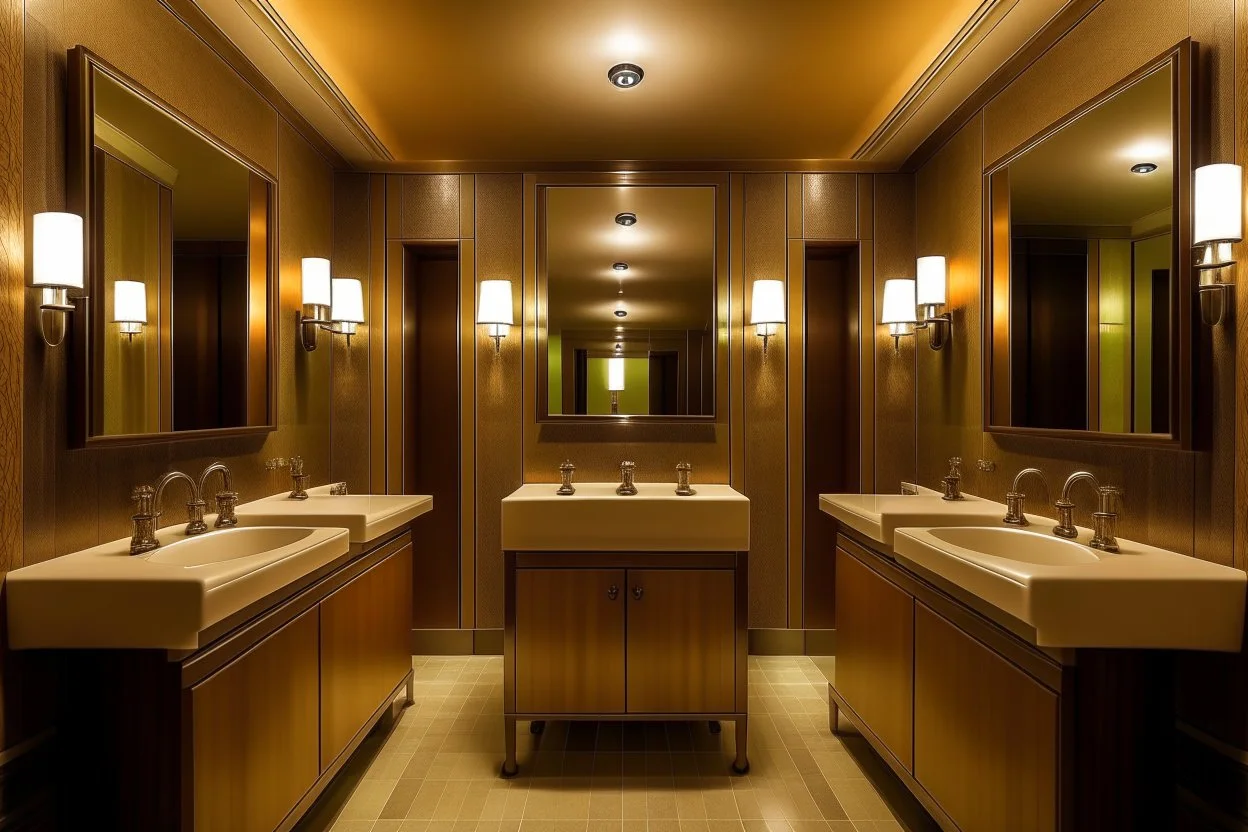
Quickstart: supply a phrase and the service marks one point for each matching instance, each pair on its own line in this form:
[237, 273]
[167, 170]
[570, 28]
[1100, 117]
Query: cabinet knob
[613, 592]
[638, 592]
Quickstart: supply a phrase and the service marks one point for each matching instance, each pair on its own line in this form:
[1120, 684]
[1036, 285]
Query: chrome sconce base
[314, 317]
[498, 332]
[54, 314]
[766, 332]
[1215, 294]
[939, 326]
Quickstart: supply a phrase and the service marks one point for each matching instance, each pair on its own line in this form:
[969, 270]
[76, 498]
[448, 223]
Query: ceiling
[505, 82]
[670, 252]
[1081, 175]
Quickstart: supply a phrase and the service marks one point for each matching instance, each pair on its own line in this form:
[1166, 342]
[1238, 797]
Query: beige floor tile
[367, 801]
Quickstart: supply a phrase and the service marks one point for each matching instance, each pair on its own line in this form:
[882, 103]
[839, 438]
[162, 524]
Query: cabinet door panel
[681, 639]
[254, 733]
[985, 733]
[569, 641]
[366, 648]
[875, 653]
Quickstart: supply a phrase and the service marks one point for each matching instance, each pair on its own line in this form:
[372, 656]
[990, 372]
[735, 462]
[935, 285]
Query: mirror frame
[82, 63]
[720, 182]
[996, 246]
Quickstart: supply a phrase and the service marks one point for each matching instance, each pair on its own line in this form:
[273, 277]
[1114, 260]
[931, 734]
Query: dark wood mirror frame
[1183, 318]
[720, 182]
[82, 63]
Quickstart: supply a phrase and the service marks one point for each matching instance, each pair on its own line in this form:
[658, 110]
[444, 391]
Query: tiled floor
[436, 769]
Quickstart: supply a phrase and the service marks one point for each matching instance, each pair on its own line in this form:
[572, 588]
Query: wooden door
[570, 641]
[254, 733]
[985, 733]
[365, 648]
[875, 653]
[681, 641]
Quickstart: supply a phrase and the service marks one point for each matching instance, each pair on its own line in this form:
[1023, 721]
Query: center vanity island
[219, 681]
[625, 607]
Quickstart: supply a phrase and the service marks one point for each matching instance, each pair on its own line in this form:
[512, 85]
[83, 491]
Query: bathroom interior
[634, 417]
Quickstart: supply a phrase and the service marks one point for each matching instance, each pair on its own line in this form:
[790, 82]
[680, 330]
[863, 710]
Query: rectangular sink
[879, 515]
[1075, 596]
[104, 597]
[596, 519]
[365, 516]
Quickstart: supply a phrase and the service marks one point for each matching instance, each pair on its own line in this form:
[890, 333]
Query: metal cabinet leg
[742, 764]
[411, 690]
[834, 712]
[510, 769]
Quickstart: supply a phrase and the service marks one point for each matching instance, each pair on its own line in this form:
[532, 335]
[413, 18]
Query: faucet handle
[276, 464]
[145, 497]
[226, 500]
[296, 466]
[1107, 497]
[955, 466]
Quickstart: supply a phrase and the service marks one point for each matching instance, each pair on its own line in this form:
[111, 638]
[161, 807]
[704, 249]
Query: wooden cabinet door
[985, 733]
[681, 641]
[875, 653]
[366, 648]
[570, 641]
[254, 730]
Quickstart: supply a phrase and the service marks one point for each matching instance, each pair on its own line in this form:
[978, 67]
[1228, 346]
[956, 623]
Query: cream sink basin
[365, 516]
[878, 515]
[104, 597]
[596, 519]
[1071, 595]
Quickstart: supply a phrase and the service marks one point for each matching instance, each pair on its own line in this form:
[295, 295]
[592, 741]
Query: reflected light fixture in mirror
[317, 299]
[930, 296]
[1217, 222]
[130, 307]
[495, 311]
[898, 309]
[347, 307]
[767, 309]
[57, 267]
[615, 382]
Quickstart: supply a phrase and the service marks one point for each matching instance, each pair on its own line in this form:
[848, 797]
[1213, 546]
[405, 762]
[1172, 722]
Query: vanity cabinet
[625, 636]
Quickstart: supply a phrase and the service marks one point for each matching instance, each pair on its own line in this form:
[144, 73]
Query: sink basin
[104, 597]
[878, 516]
[1016, 544]
[1070, 595]
[596, 519]
[365, 516]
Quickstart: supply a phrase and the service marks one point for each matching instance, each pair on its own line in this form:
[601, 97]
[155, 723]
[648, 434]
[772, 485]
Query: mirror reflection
[1091, 270]
[630, 289]
[180, 274]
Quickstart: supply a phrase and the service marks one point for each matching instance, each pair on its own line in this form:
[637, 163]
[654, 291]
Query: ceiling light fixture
[1143, 168]
[626, 219]
[625, 76]
[620, 267]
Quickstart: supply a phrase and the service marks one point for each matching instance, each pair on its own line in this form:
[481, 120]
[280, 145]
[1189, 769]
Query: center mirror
[629, 283]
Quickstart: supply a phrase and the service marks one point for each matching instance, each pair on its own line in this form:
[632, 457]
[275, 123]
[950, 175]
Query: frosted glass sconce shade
[130, 306]
[56, 267]
[930, 281]
[495, 310]
[1217, 222]
[316, 282]
[347, 309]
[615, 374]
[897, 311]
[767, 308]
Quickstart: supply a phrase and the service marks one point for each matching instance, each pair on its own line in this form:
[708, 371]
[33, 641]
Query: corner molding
[287, 42]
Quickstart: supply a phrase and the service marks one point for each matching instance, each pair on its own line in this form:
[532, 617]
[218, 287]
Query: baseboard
[489, 642]
[768, 642]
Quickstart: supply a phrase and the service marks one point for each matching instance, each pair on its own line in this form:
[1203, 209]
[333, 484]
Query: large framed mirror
[176, 335]
[1088, 290]
[631, 279]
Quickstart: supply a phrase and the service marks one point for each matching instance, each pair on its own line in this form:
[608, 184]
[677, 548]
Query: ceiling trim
[972, 33]
[193, 18]
[635, 166]
[284, 39]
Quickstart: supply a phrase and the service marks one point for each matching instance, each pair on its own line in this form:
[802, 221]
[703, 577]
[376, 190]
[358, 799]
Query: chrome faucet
[1015, 498]
[225, 499]
[566, 470]
[952, 480]
[626, 487]
[298, 479]
[148, 513]
[683, 471]
[1104, 519]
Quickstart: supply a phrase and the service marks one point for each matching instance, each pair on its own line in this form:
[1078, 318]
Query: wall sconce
[615, 382]
[767, 309]
[1217, 222]
[931, 279]
[346, 311]
[898, 309]
[495, 311]
[57, 268]
[317, 299]
[130, 307]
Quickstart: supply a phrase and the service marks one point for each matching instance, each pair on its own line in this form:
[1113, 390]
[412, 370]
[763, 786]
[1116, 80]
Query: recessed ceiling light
[625, 76]
[619, 347]
[1143, 168]
[626, 219]
[620, 313]
[620, 267]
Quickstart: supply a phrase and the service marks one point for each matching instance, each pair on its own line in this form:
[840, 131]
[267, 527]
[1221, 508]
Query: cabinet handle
[638, 592]
[613, 592]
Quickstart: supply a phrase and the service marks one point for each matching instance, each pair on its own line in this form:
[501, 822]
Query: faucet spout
[225, 499]
[1076, 478]
[194, 507]
[1015, 498]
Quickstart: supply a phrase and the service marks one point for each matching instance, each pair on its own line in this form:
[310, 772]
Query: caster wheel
[507, 775]
[740, 771]
[714, 726]
[537, 726]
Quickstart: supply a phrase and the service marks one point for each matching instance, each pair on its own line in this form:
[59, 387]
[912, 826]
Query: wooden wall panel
[896, 453]
[349, 445]
[12, 284]
[830, 206]
[428, 206]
